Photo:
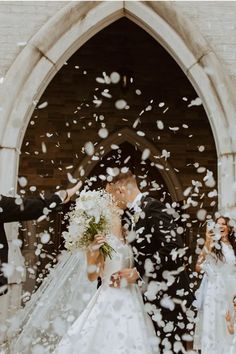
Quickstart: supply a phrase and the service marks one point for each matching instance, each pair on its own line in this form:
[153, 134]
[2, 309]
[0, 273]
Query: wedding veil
[59, 300]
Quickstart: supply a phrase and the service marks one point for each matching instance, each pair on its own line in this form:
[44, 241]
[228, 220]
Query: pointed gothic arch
[68, 30]
[76, 23]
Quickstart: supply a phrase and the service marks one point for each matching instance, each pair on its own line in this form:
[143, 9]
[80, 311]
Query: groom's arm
[162, 246]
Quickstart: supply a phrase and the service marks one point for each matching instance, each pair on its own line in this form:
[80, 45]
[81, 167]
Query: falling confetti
[209, 179]
[196, 102]
[187, 191]
[120, 104]
[145, 154]
[103, 133]
[44, 148]
[136, 122]
[100, 80]
[174, 129]
[22, 181]
[115, 77]
[43, 105]
[114, 146]
[201, 169]
[201, 214]
[8, 269]
[165, 110]
[45, 237]
[89, 148]
[106, 93]
[33, 188]
[165, 154]
[113, 171]
[160, 125]
[140, 133]
[148, 108]
[212, 194]
[201, 148]
[97, 102]
[70, 178]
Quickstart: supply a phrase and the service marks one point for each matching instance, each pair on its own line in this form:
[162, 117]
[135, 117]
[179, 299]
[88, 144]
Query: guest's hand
[72, 191]
[124, 277]
[228, 316]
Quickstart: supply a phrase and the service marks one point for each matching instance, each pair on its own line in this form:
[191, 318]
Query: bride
[218, 261]
[65, 318]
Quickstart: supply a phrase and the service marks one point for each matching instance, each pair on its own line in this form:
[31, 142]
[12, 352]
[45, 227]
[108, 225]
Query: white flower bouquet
[91, 215]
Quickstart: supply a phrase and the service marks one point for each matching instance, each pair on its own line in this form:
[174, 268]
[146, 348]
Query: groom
[158, 251]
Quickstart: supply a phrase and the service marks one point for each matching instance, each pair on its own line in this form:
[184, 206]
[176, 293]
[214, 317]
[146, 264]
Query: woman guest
[231, 326]
[218, 262]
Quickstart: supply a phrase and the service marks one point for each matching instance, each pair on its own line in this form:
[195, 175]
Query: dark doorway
[159, 104]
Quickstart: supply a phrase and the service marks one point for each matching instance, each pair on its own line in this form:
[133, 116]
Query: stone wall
[216, 22]
[20, 20]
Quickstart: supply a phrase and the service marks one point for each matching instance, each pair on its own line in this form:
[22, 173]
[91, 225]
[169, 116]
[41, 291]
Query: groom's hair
[124, 176]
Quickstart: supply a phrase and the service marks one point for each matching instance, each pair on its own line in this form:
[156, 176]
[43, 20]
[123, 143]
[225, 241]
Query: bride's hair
[231, 237]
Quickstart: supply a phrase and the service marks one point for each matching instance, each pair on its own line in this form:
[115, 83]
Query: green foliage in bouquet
[89, 235]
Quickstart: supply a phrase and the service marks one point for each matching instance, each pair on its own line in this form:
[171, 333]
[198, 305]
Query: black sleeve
[3, 246]
[28, 209]
[162, 245]
[164, 230]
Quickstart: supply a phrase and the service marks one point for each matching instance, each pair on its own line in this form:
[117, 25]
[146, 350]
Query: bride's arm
[95, 260]
[230, 324]
[200, 260]
[206, 250]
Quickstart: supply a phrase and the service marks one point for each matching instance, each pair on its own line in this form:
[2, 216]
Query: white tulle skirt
[233, 344]
[211, 334]
[114, 322]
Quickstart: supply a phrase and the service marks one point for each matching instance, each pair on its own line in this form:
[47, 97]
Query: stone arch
[71, 27]
[128, 135]
[67, 31]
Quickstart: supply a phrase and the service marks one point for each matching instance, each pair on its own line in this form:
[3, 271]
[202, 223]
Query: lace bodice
[122, 257]
[228, 253]
[225, 266]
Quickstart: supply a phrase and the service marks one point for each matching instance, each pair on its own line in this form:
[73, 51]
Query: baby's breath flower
[91, 215]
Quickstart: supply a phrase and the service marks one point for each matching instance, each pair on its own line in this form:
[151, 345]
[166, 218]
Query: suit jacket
[157, 252]
[30, 209]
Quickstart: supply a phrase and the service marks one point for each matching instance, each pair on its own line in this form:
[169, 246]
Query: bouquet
[91, 215]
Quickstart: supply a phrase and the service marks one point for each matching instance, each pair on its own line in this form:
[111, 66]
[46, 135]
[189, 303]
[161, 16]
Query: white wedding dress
[114, 321]
[215, 295]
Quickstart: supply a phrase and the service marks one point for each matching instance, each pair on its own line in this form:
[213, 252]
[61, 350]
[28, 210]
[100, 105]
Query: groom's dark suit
[10, 211]
[158, 258]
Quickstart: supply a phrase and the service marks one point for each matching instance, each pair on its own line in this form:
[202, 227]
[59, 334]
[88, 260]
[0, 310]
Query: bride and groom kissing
[142, 304]
[158, 252]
